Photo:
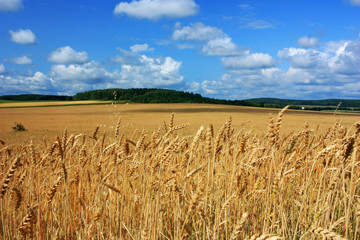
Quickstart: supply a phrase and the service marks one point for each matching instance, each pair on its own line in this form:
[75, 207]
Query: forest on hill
[154, 95]
[35, 97]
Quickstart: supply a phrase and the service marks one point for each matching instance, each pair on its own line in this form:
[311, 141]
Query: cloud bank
[74, 72]
[325, 73]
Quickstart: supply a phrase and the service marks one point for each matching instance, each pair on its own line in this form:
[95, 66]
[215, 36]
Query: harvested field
[233, 173]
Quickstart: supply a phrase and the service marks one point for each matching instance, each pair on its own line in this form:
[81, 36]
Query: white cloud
[155, 9]
[10, 5]
[308, 42]
[193, 87]
[127, 57]
[248, 61]
[73, 78]
[39, 80]
[67, 55]
[91, 72]
[36, 83]
[23, 36]
[152, 72]
[2, 68]
[303, 58]
[341, 57]
[347, 59]
[331, 72]
[217, 42]
[355, 2]
[220, 47]
[197, 32]
[333, 46]
[141, 48]
[136, 71]
[23, 60]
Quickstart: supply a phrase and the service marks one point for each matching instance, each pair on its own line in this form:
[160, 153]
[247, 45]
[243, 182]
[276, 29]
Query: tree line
[154, 95]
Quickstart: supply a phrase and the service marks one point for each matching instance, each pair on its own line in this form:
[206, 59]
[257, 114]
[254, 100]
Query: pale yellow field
[51, 121]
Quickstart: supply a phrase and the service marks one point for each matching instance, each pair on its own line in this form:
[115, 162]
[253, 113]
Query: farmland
[175, 171]
[51, 121]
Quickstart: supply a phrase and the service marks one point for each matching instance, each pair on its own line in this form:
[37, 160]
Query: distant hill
[154, 95]
[326, 102]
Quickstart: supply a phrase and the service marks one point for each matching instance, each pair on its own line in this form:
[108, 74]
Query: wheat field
[183, 181]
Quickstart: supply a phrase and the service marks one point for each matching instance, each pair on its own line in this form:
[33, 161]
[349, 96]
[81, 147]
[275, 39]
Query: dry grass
[227, 181]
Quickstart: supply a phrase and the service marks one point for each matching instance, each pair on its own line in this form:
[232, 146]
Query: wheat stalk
[9, 175]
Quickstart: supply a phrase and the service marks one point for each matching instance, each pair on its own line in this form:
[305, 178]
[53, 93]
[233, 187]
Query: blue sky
[227, 49]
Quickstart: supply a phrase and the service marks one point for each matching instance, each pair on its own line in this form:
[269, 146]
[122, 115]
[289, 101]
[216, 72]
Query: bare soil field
[47, 122]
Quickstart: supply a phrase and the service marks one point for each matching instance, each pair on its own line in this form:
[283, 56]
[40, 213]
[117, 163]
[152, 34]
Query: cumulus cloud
[327, 71]
[136, 70]
[347, 59]
[197, 32]
[37, 83]
[248, 61]
[341, 57]
[23, 36]
[2, 68]
[217, 43]
[127, 57]
[334, 46]
[141, 48]
[143, 71]
[308, 42]
[303, 58]
[73, 78]
[220, 47]
[321, 73]
[71, 74]
[90, 73]
[67, 55]
[336, 63]
[10, 5]
[23, 60]
[156, 9]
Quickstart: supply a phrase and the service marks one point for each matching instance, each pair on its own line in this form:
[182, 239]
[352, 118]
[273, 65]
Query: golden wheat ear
[9, 175]
[52, 190]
